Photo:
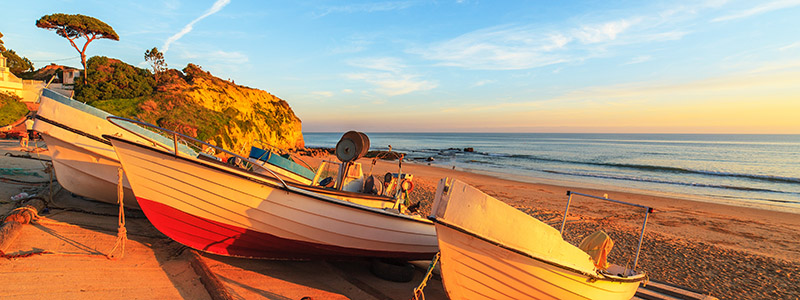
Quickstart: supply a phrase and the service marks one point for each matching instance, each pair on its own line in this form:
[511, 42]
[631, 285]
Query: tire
[392, 270]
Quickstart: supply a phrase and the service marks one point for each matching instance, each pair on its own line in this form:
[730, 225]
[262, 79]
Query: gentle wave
[780, 179]
[742, 168]
[729, 187]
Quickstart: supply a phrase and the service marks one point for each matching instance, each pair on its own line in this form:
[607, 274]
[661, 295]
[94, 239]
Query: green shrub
[112, 79]
[127, 108]
[11, 109]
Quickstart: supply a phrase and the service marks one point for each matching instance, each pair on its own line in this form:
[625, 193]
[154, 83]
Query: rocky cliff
[198, 104]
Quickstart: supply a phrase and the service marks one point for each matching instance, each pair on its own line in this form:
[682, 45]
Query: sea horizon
[519, 132]
[749, 170]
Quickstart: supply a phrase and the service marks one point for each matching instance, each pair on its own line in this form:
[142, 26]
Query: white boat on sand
[85, 163]
[223, 209]
[490, 250]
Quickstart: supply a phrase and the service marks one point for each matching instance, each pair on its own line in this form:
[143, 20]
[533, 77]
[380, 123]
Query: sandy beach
[729, 252]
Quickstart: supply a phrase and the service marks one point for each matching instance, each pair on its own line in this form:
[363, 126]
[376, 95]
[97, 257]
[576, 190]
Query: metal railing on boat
[182, 139]
[647, 212]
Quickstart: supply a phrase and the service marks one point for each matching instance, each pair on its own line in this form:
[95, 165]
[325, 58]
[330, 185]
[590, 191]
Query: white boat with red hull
[223, 209]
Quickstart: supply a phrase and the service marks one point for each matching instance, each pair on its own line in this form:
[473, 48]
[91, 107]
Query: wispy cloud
[499, 48]
[483, 82]
[790, 46]
[389, 64]
[389, 75]
[528, 46]
[188, 28]
[520, 47]
[352, 44]
[762, 8]
[390, 84]
[602, 32]
[365, 7]
[639, 59]
[171, 5]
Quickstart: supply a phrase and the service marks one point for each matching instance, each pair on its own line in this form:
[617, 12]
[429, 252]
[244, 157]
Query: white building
[28, 90]
[9, 82]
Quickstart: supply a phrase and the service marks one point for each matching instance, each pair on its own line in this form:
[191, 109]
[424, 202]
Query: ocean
[761, 171]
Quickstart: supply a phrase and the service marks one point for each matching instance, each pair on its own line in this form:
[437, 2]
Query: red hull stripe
[224, 239]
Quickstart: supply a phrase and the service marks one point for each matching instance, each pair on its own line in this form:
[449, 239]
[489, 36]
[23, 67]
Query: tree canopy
[75, 26]
[156, 60]
[113, 79]
[17, 64]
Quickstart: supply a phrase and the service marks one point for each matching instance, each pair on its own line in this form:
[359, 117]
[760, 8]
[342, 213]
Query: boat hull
[490, 250]
[228, 211]
[473, 268]
[84, 163]
[86, 173]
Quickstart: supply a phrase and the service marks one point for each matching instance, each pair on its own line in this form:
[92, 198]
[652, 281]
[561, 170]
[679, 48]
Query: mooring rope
[34, 216]
[418, 294]
[122, 233]
[13, 256]
[17, 181]
[28, 156]
[29, 208]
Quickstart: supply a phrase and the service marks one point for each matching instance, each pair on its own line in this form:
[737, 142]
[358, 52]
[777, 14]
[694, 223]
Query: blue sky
[475, 66]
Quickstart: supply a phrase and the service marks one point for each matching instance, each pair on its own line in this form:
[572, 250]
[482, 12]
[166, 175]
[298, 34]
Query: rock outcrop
[213, 110]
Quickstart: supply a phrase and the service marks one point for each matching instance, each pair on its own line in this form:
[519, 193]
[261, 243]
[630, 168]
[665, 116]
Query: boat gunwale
[296, 185]
[73, 130]
[603, 277]
[291, 187]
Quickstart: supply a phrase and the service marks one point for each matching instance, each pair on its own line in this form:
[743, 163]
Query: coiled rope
[12, 216]
[122, 233]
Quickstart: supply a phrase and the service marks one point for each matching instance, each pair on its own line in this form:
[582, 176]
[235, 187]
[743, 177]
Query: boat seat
[598, 245]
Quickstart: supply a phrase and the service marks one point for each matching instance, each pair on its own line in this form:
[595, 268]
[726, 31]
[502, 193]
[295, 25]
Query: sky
[468, 66]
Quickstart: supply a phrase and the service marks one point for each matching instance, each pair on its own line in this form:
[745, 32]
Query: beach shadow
[260, 292]
[102, 218]
[350, 278]
[83, 248]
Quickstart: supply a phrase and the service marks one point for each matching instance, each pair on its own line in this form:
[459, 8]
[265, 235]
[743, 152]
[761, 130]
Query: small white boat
[224, 209]
[490, 250]
[84, 162]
